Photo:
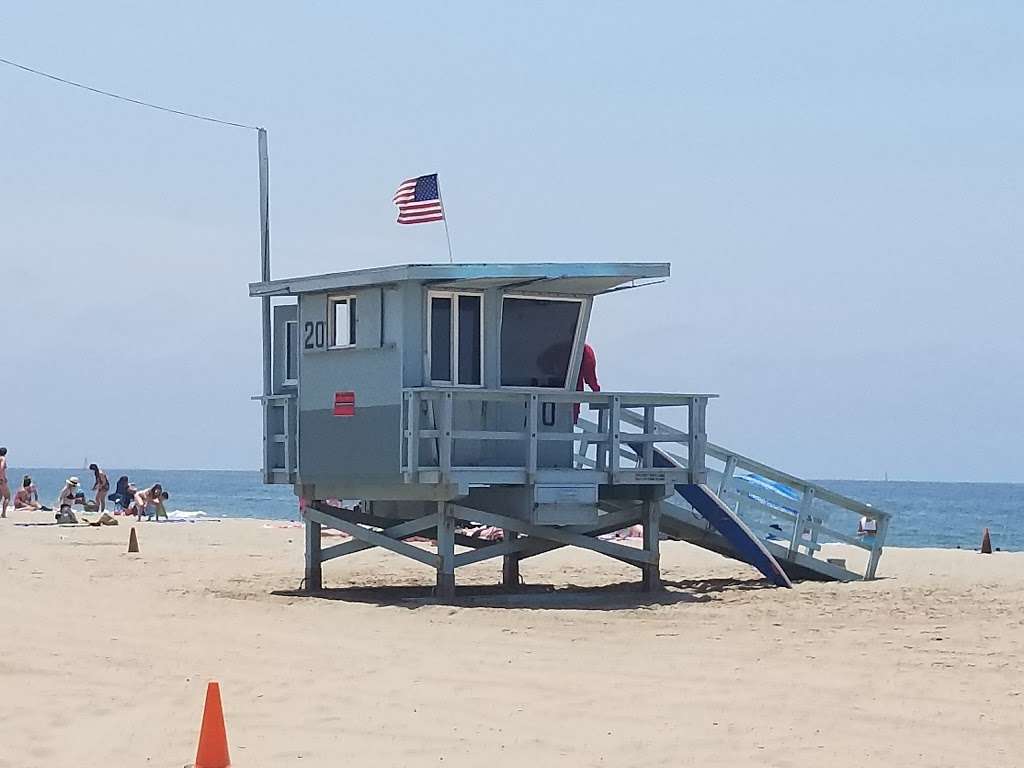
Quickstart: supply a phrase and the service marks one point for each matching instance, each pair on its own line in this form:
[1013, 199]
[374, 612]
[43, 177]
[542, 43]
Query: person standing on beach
[101, 486]
[5, 488]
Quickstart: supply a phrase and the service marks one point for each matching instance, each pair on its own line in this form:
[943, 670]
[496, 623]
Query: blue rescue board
[748, 547]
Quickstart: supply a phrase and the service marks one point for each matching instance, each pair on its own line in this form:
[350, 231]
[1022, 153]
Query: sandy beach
[105, 656]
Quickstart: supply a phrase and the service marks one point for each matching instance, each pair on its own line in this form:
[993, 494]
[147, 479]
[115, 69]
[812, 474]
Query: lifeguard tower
[443, 395]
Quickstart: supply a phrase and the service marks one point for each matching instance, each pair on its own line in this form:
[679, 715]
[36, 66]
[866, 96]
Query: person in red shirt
[588, 376]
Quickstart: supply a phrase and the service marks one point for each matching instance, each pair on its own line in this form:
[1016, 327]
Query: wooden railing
[279, 437]
[429, 415]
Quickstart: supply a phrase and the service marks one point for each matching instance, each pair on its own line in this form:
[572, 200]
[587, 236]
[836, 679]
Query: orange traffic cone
[133, 541]
[213, 738]
[986, 543]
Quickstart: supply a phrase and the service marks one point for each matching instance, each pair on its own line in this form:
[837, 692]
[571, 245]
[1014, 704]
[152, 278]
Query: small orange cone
[986, 543]
[213, 737]
[133, 541]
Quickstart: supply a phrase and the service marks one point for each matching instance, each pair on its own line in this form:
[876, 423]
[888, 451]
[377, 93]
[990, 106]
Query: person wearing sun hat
[65, 514]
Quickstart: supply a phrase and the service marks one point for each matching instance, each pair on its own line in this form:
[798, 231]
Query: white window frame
[287, 382]
[575, 341]
[332, 314]
[454, 331]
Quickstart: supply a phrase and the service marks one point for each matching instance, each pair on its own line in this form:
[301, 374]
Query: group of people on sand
[127, 498]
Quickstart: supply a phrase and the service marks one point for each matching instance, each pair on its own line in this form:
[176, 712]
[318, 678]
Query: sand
[105, 656]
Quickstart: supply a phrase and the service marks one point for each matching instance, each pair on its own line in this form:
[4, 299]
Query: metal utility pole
[268, 384]
[265, 255]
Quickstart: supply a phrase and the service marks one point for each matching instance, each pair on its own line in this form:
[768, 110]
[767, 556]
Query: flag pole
[444, 217]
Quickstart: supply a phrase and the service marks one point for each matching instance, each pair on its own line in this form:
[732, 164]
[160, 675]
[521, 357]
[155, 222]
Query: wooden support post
[510, 562]
[445, 551]
[652, 543]
[314, 570]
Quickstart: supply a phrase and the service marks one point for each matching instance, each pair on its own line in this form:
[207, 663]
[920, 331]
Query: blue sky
[837, 186]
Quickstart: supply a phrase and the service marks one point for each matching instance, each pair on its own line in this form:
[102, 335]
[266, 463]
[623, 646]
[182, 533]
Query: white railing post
[649, 429]
[876, 548]
[412, 436]
[268, 441]
[725, 485]
[533, 408]
[698, 440]
[445, 427]
[614, 427]
[287, 416]
[801, 519]
[602, 439]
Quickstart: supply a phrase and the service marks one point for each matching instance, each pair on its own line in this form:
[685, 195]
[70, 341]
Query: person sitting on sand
[154, 497]
[101, 486]
[27, 496]
[66, 500]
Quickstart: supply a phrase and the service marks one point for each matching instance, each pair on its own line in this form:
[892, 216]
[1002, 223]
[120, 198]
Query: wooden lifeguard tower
[441, 395]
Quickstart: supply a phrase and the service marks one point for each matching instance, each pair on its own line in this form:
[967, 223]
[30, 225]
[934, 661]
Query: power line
[126, 98]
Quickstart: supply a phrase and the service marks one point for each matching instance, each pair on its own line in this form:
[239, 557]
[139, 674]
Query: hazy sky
[837, 186]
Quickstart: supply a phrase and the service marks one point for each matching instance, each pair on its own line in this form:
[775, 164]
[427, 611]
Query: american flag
[419, 200]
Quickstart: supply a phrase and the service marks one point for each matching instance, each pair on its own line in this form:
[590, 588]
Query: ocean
[925, 514]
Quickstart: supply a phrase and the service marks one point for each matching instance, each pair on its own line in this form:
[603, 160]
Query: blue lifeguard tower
[442, 395]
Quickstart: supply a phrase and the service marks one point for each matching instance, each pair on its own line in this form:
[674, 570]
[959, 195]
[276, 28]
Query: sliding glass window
[456, 338]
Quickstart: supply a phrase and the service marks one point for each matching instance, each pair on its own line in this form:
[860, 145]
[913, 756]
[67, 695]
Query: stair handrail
[806, 525]
[745, 462]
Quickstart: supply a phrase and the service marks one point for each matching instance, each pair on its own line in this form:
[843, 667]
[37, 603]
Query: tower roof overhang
[577, 278]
